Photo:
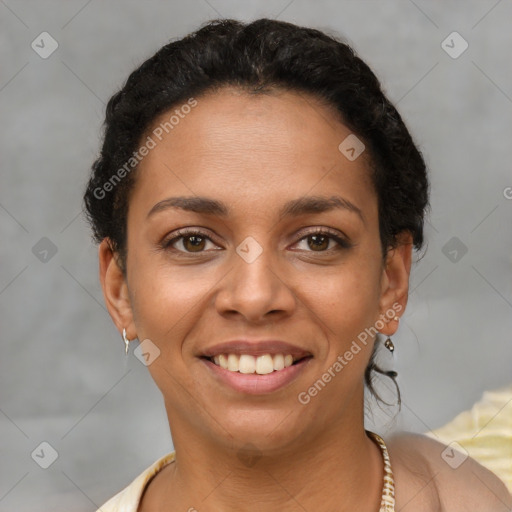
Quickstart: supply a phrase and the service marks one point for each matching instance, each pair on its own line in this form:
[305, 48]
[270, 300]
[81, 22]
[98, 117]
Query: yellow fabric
[485, 432]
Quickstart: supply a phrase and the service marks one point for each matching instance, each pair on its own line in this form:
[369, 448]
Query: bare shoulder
[431, 476]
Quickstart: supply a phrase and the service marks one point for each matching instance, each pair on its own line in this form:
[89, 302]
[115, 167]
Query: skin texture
[425, 482]
[254, 154]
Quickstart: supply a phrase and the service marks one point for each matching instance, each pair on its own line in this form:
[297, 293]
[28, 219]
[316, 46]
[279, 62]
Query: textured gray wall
[63, 377]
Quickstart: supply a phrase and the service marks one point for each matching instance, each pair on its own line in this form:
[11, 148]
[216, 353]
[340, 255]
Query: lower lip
[254, 384]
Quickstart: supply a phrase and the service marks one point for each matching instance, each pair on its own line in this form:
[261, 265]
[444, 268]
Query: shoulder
[430, 475]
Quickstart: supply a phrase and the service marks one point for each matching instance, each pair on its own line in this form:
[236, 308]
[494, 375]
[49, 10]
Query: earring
[126, 341]
[388, 343]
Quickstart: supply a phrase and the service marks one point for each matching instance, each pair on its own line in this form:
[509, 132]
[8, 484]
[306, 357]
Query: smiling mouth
[260, 365]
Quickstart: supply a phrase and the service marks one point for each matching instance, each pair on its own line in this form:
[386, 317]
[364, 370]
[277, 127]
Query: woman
[257, 201]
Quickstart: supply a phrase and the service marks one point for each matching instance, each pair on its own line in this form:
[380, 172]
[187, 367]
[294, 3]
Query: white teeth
[249, 364]
[232, 362]
[246, 364]
[264, 364]
[223, 361]
[278, 362]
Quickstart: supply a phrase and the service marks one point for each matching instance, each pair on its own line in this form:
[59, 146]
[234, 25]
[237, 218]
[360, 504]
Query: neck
[339, 468]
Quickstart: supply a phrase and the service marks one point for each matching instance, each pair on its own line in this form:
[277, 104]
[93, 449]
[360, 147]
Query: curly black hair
[258, 57]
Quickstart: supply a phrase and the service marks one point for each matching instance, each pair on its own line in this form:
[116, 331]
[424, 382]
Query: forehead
[246, 148]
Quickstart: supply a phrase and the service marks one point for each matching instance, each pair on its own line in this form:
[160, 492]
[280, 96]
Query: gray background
[63, 375]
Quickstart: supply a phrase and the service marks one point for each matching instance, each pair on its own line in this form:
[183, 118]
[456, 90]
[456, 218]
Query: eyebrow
[195, 204]
[318, 204]
[295, 207]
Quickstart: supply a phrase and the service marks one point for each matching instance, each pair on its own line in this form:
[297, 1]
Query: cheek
[165, 299]
[166, 305]
[349, 295]
[345, 304]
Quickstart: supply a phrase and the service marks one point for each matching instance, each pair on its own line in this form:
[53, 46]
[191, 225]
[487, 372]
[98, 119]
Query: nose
[255, 291]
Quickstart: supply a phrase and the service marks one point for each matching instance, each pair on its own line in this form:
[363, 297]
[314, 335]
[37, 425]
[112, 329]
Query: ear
[395, 282]
[115, 289]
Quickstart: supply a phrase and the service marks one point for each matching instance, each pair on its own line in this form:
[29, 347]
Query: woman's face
[255, 178]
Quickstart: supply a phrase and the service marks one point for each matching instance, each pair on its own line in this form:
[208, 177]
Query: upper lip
[256, 348]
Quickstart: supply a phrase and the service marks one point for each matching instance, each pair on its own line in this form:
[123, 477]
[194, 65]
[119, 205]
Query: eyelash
[184, 233]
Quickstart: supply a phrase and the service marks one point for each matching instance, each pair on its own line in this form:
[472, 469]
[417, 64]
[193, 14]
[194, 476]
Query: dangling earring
[126, 341]
[388, 343]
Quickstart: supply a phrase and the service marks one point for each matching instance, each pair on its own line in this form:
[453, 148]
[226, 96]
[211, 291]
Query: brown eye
[190, 242]
[318, 242]
[194, 243]
[322, 241]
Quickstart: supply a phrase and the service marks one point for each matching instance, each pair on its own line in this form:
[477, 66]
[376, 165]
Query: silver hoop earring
[126, 341]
